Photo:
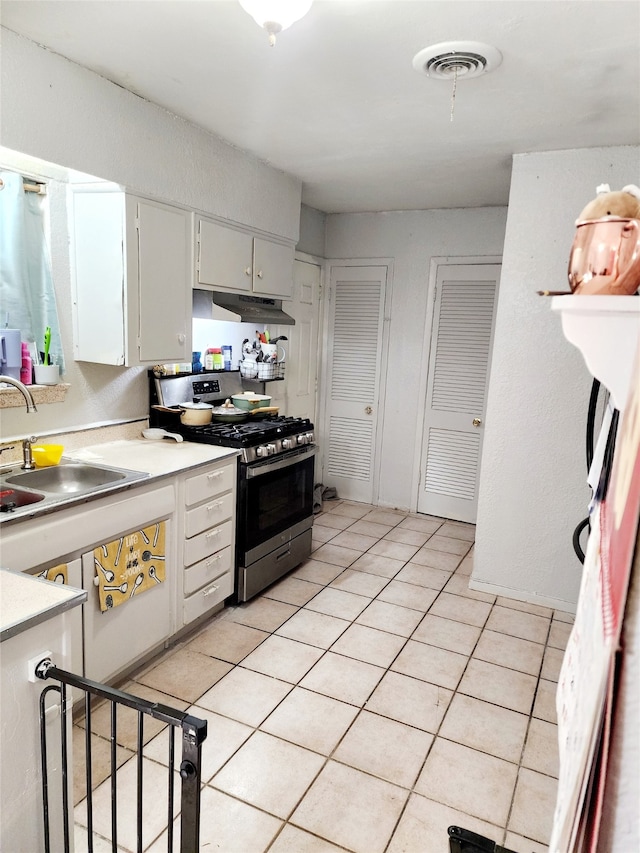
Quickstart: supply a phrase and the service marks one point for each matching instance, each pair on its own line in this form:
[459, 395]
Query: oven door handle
[267, 466]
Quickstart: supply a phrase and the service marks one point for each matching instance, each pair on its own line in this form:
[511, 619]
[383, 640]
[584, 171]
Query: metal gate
[194, 732]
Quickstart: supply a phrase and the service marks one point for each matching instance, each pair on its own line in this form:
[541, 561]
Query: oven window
[274, 501]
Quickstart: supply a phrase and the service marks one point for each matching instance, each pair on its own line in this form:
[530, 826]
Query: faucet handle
[30, 439]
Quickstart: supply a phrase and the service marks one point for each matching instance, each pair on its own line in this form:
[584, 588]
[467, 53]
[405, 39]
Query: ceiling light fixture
[276, 15]
[453, 60]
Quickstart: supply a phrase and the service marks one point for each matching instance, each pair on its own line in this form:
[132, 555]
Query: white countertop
[157, 458]
[26, 601]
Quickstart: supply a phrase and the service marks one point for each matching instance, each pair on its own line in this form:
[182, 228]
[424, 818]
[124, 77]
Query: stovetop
[248, 433]
[256, 439]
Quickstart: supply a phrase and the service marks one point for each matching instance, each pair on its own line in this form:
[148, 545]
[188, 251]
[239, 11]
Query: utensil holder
[47, 374]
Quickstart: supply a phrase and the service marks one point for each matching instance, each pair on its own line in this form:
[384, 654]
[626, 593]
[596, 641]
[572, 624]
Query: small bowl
[45, 455]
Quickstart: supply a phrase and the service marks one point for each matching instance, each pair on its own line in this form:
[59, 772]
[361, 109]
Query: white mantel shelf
[606, 330]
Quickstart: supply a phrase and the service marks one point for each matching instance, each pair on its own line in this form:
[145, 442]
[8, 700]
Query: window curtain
[27, 296]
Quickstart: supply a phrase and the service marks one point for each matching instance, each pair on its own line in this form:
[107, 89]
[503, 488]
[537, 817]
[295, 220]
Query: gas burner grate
[247, 434]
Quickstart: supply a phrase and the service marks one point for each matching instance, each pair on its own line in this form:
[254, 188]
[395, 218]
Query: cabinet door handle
[259, 274]
[214, 475]
[215, 559]
[181, 337]
[209, 591]
[214, 505]
[211, 534]
[247, 271]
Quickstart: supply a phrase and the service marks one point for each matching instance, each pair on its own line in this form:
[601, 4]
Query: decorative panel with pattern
[452, 460]
[355, 341]
[463, 346]
[350, 448]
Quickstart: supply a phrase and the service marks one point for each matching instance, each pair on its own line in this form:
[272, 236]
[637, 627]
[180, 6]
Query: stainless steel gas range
[274, 512]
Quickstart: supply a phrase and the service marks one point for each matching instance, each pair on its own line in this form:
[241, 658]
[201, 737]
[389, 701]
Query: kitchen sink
[12, 499]
[69, 478]
[25, 493]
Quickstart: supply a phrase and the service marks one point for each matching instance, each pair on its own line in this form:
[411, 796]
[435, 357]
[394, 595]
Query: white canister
[47, 374]
[10, 353]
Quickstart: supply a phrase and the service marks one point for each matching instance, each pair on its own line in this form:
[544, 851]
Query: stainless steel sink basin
[28, 493]
[69, 478]
[12, 499]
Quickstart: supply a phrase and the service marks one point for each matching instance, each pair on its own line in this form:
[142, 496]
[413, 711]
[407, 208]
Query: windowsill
[11, 398]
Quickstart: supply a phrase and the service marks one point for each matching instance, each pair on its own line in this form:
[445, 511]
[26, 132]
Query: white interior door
[459, 360]
[354, 364]
[296, 396]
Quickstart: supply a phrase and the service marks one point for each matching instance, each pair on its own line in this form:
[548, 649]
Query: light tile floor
[366, 702]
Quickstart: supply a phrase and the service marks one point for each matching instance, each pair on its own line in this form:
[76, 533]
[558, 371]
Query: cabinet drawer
[208, 485]
[206, 598]
[207, 570]
[207, 543]
[208, 514]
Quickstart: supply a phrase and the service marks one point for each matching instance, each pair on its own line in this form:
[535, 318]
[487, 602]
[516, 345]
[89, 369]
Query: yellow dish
[45, 455]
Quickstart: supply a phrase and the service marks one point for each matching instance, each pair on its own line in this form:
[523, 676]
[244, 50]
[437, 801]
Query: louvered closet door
[354, 361]
[459, 361]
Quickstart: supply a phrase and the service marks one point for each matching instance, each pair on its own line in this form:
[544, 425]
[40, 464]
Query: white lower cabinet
[69, 541]
[150, 585]
[208, 533]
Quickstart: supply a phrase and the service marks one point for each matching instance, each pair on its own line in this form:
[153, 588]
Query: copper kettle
[605, 257]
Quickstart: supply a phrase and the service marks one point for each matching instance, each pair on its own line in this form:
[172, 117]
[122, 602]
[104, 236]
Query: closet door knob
[476, 422]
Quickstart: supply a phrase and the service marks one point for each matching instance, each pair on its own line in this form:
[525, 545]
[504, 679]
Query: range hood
[208, 305]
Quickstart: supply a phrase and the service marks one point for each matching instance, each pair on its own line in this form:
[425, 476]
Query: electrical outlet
[33, 663]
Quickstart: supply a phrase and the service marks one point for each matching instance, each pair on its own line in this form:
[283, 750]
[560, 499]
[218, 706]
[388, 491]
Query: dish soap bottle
[26, 371]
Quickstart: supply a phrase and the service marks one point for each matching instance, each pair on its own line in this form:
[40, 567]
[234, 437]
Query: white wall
[313, 225]
[533, 486]
[411, 239]
[59, 112]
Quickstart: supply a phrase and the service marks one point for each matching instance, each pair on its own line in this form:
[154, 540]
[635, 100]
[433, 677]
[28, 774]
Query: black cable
[576, 539]
[591, 419]
[607, 462]
[589, 446]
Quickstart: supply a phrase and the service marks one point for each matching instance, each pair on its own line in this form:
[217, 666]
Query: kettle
[605, 257]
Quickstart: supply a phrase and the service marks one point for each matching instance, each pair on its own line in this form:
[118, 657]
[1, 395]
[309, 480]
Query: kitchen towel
[57, 574]
[130, 565]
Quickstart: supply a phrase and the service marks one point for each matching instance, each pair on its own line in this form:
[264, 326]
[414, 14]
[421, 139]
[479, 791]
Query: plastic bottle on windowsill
[218, 361]
[26, 371]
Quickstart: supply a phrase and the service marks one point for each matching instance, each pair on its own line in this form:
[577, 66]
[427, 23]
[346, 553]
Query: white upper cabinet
[133, 279]
[235, 260]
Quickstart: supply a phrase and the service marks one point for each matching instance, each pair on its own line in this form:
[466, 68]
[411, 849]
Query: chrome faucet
[31, 406]
[28, 464]
[27, 456]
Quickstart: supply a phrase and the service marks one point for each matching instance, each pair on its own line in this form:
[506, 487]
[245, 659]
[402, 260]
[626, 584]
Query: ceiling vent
[450, 60]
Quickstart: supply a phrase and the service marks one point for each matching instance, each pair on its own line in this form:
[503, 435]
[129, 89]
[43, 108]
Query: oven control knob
[288, 443]
[271, 449]
[262, 450]
[309, 437]
[302, 439]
